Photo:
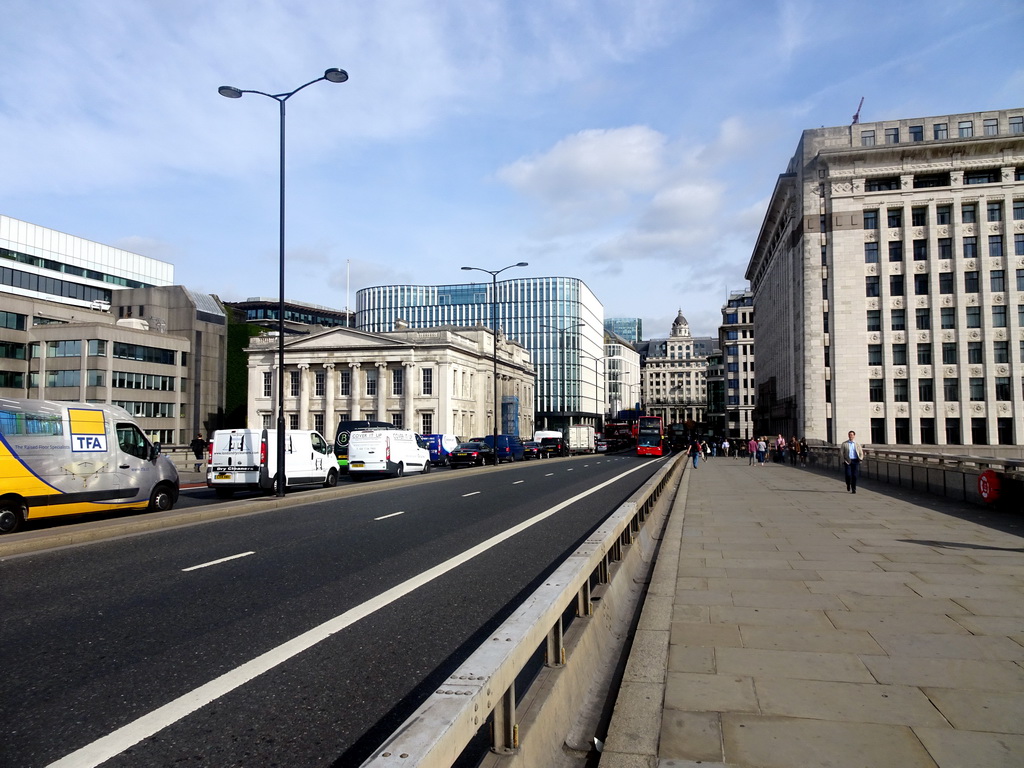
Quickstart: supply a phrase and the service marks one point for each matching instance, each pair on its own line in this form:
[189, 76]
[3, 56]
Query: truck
[246, 459]
[64, 458]
[580, 438]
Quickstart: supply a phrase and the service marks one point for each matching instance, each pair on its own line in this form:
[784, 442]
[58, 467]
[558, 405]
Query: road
[295, 637]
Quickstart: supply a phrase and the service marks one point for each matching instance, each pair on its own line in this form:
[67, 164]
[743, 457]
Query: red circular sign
[988, 485]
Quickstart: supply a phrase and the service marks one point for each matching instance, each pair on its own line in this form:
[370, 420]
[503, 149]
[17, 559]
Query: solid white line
[129, 735]
[466, 495]
[385, 517]
[218, 562]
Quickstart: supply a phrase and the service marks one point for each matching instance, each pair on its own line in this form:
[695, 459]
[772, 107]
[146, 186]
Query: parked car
[510, 447]
[601, 446]
[554, 447]
[531, 450]
[475, 453]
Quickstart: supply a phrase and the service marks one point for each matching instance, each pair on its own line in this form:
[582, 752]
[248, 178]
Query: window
[398, 420]
[896, 251]
[979, 431]
[976, 386]
[885, 184]
[1020, 279]
[922, 319]
[867, 138]
[1018, 245]
[878, 431]
[999, 316]
[924, 353]
[895, 285]
[1017, 124]
[898, 320]
[945, 247]
[874, 320]
[921, 285]
[916, 132]
[974, 317]
[293, 421]
[398, 382]
[871, 286]
[63, 378]
[97, 348]
[965, 129]
[926, 390]
[874, 354]
[892, 135]
[971, 281]
[64, 348]
[870, 253]
[970, 247]
[940, 131]
[899, 354]
[894, 217]
[969, 213]
[345, 383]
[953, 432]
[876, 391]
[1018, 210]
[991, 126]
[997, 279]
[268, 384]
[295, 378]
[943, 214]
[426, 423]
[994, 211]
[1004, 429]
[949, 353]
[995, 246]
[927, 431]
[320, 384]
[371, 383]
[950, 389]
[975, 356]
[318, 422]
[989, 176]
[427, 381]
[900, 390]
[1000, 351]
[918, 217]
[871, 219]
[920, 250]
[1002, 387]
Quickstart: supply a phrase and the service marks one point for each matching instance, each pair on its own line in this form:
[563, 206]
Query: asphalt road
[295, 637]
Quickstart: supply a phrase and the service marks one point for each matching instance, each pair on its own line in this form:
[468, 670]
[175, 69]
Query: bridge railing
[484, 689]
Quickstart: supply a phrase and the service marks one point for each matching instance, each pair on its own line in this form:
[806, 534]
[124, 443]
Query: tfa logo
[88, 443]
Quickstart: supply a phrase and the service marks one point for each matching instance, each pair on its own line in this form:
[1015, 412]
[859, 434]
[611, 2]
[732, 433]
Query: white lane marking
[570, 469]
[106, 747]
[385, 517]
[549, 474]
[517, 482]
[218, 562]
[474, 493]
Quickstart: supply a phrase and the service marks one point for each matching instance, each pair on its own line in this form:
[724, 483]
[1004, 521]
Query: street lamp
[494, 330]
[333, 75]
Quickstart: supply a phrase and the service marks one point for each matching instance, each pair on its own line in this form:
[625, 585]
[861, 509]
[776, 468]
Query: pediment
[341, 338]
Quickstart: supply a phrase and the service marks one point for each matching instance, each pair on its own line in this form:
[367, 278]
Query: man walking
[752, 451]
[851, 454]
[694, 450]
[198, 446]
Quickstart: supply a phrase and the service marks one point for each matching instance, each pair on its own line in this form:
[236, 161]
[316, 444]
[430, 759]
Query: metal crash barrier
[484, 686]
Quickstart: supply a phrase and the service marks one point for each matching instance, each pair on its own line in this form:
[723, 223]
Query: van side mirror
[154, 451]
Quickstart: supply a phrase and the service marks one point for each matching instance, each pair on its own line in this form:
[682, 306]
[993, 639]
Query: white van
[246, 459]
[391, 452]
[60, 458]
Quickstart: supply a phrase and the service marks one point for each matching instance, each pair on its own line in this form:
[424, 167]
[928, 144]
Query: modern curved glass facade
[558, 319]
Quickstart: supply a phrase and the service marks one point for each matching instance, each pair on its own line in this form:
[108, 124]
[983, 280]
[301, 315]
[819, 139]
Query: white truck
[246, 459]
[580, 438]
[393, 452]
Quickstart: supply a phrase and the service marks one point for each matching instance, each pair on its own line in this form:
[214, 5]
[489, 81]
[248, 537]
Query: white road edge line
[385, 517]
[106, 747]
[218, 562]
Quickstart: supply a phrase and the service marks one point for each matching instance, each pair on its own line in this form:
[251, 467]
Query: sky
[633, 144]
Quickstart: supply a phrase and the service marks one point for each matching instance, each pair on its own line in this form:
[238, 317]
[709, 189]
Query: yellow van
[60, 458]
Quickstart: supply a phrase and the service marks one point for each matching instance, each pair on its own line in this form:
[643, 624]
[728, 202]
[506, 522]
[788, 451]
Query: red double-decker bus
[650, 437]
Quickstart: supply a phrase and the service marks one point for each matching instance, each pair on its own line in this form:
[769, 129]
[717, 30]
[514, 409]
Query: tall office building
[736, 343]
[888, 278]
[558, 319]
[629, 328]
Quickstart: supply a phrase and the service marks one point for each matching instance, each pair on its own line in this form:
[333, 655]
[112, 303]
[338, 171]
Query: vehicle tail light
[209, 452]
[263, 453]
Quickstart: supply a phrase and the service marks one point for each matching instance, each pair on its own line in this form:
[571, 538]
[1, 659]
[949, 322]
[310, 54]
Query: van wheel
[332, 479]
[426, 467]
[11, 515]
[161, 500]
[400, 471]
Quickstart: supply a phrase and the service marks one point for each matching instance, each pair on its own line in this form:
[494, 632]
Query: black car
[554, 446]
[531, 450]
[471, 454]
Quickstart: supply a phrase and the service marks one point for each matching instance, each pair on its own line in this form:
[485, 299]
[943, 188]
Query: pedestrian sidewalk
[790, 624]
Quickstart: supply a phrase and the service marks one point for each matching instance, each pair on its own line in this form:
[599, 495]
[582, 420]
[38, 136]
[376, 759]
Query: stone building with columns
[430, 380]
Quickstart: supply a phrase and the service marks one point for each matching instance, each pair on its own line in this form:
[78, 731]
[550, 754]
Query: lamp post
[494, 330]
[333, 75]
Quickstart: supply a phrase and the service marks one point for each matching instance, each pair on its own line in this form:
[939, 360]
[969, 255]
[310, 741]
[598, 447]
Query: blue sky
[630, 143]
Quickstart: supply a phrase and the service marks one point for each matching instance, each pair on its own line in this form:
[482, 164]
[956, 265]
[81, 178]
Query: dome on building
[680, 327]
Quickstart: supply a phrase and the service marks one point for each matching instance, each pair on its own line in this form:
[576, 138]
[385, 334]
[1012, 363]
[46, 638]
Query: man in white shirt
[851, 455]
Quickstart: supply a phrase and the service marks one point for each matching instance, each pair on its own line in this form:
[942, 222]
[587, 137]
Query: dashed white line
[385, 517]
[474, 493]
[517, 482]
[218, 562]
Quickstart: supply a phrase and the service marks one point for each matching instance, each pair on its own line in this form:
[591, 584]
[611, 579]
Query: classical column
[409, 395]
[252, 419]
[382, 391]
[329, 419]
[303, 395]
[353, 391]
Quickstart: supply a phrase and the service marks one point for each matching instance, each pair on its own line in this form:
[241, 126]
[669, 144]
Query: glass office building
[558, 319]
[629, 328]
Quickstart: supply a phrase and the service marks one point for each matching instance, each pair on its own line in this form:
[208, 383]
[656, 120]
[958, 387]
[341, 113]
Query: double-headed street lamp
[494, 330]
[333, 75]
